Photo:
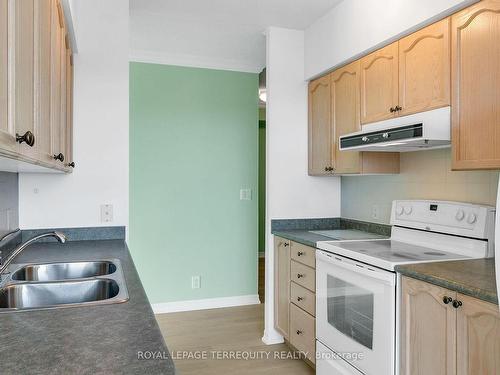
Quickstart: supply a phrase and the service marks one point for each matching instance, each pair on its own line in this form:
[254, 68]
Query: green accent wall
[194, 144]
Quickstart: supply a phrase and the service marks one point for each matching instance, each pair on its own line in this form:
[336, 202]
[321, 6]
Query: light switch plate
[245, 194]
[195, 282]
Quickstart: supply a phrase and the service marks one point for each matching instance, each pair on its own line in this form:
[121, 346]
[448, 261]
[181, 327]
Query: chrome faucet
[58, 236]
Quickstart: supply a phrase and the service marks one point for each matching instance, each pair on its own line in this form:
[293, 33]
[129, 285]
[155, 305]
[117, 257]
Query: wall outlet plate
[106, 213]
[195, 282]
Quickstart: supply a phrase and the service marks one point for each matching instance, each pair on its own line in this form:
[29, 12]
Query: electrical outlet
[106, 213]
[245, 194]
[375, 211]
[195, 282]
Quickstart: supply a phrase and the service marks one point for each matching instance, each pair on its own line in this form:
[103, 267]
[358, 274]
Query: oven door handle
[386, 277]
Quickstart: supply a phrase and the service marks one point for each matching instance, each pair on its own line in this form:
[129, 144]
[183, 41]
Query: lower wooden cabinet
[294, 295]
[281, 285]
[444, 332]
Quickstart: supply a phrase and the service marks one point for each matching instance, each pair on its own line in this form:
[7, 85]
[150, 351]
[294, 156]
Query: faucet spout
[59, 236]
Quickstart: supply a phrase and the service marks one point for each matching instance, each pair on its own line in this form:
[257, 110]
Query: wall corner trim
[205, 304]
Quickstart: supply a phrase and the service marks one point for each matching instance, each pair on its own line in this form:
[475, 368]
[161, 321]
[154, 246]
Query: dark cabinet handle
[326, 169]
[28, 138]
[59, 157]
[300, 253]
[457, 304]
[398, 108]
[392, 109]
[299, 275]
[299, 332]
[286, 244]
[299, 299]
[72, 164]
[447, 300]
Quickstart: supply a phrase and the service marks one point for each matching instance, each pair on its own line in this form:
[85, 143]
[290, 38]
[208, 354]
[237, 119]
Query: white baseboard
[205, 304]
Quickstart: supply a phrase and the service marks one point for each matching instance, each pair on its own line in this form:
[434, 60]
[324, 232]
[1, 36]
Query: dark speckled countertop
[84, 340]
[474, 277]
[302, 236]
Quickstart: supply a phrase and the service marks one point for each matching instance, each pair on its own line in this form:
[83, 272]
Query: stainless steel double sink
[62, 284]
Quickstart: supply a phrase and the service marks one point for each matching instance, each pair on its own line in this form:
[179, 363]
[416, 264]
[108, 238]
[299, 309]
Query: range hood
[421, 131]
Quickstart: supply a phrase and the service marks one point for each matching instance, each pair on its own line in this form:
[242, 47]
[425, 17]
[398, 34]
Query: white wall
[290, 192]
[356, 26]
[101, 118]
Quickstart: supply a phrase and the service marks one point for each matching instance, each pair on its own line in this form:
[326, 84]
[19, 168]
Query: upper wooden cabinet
[345, 115]
[35, 84]
[333, 112]
[408, 76]
[424, 69]
[379, 84]
[475, 54]
[448, 333]
[320, 137]
[7, 132]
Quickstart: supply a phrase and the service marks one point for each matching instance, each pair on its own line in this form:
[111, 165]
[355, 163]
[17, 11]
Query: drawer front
[303, 254]
[303, 298]
[303, 275]
[302, 332]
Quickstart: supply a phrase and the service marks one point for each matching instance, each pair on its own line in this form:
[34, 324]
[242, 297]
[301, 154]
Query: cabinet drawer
[303, 275]
[303, 254]
[303, 298]
[302, 332]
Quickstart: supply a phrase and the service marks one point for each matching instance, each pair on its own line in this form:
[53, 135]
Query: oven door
[355, 312]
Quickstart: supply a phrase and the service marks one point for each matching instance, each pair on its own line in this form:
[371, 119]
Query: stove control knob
[471, 218]
[460, 215]
[408, 210]
[399, 210]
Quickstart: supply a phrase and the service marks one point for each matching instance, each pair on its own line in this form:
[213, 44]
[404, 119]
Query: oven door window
[350, 310]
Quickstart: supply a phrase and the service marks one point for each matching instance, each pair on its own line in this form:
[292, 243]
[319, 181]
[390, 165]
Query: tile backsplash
[424, 175]
[9, 202]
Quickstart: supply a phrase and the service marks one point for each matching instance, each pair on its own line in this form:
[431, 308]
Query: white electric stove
[357, 287]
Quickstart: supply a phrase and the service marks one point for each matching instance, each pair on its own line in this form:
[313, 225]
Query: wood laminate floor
[225, 331]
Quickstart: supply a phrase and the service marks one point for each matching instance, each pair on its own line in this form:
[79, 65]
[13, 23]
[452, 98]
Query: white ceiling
[220, 34]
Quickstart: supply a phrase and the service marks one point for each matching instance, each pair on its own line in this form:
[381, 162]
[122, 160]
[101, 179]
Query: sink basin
[36, 286]
[56, 294]
[63, 271]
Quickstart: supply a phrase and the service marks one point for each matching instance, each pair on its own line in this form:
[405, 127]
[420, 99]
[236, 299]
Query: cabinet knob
[286, 244]
[299, 299]
[59, 157]
[300, 253]
[392, 109]
[365, 139]
[299, 275]
[457, 304]
[72, 164]
[447, 300]
[28, 138]
[398, 108]
[299, 332]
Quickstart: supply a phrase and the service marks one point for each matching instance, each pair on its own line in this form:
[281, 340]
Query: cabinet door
[43, 24]
[23, 73]
[69, 106]
[56, 49]
[424, 69]
[428, 329]
[379, 84]
[478, 337]
[281, 285]
[345, 115]
[7, 133]
[475, 56]
[320, 137]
